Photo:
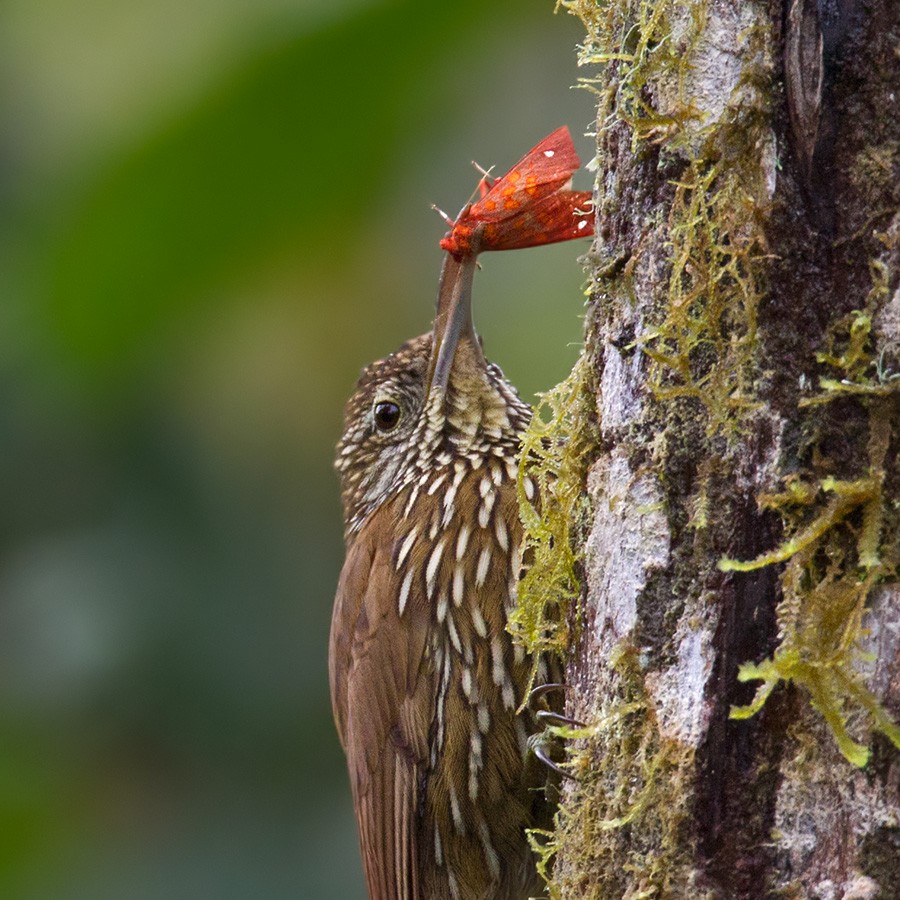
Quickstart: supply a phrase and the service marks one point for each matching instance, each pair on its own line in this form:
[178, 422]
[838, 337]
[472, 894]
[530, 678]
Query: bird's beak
[453, 326]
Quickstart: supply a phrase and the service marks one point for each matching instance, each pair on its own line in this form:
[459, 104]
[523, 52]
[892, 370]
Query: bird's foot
[558, 727]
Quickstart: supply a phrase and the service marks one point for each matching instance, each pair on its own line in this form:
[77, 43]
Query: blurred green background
[212, 214]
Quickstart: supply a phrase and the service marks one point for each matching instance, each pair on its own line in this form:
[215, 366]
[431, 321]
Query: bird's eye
[387, 415]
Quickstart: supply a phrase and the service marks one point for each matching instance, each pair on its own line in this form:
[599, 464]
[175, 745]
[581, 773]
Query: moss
[639, 37]
[703, 346]
[623, 825]
[622, 830]
[842, 541]
[704, 336]
[554, 458]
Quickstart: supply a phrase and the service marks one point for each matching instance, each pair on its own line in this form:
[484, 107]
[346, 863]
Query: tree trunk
[742, 368]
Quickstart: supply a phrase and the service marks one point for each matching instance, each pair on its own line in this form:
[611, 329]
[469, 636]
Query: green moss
[554, 458]
[703, 346]
[704, 336]
[623, 824]
[638, 36]
[622, 829]
[842, 542]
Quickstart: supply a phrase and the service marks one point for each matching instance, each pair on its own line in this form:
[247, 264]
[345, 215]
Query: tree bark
[742, 352]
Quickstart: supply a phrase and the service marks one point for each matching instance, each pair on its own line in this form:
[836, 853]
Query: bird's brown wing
[383, 700]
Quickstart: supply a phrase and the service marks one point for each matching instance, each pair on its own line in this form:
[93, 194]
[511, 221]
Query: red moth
[530, 205]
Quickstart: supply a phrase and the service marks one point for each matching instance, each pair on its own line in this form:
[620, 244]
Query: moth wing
[543, 170]
[562, 216]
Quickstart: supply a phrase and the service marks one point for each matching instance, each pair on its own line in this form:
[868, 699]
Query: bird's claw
[548, 717]
[548, 688]
[541, 754]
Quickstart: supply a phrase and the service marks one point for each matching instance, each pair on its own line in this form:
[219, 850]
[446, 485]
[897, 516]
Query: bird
[428, 689]
[425, 680]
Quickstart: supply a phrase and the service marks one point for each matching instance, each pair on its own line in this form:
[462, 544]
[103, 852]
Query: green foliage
[290, 153]
[280, 154]
[212, 214]
[843, 541]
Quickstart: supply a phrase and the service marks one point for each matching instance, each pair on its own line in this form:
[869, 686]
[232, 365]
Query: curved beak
[453, 326]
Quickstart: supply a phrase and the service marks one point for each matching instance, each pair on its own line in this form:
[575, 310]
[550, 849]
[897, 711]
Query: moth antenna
[485, 173]
[486, 182]
[443, 215]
